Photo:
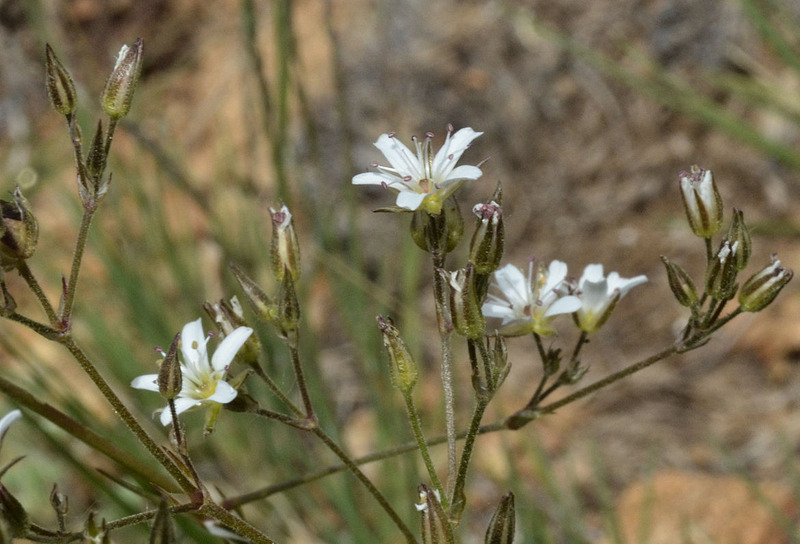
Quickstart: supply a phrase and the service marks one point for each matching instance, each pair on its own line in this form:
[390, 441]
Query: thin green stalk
[77, 258]
[367, 483]
[127, 417]
[131, 462]
[459, 498]
[235, 524]
[445, 328]
[33, 284]
[301, 380]
[276, 390]
[413, 416]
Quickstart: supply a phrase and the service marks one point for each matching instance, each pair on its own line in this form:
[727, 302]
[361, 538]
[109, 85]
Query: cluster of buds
[283, 310]
[704, 211]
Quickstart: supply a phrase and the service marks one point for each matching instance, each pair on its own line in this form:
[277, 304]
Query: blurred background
[589, 110]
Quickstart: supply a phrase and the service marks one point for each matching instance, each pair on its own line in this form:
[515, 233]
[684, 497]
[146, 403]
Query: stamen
[392, 134]
[450, 128]
[408, 178]
[429, 135]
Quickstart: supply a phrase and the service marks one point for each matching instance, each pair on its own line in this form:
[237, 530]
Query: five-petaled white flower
[203, 380]
[424, 181]
[599, 295]
[529, 303]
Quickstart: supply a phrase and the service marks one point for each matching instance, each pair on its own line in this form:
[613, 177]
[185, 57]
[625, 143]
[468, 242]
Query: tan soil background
[589, 168]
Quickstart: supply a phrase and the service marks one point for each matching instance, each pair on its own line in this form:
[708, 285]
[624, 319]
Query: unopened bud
[262, 304]
[738, 234]
[60, 87]
[13, 513]
[170, 377]
[284, 250]
[96, 159]
[229, 316]
[434, 522]
[702, 201]
[121, 84]
[402, 367]
[680, 283]
[20, 230]
[760, 290]
[59, 501]
[465, 309]
[94, 534]
[721, 272]
[163, 531]
[486, 248]
[501, 527]
[441, 232]
[501, 367]
[288, 318]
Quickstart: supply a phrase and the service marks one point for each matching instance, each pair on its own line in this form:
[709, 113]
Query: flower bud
[760, 290]
[434, 522]
[96, 159]
[121, 84]
[163, 531]
[229, 316]
[441, 232]
[288, 318]
[402, 367]
[13, 513]
[170, 377]
[92, 534]
[702, 201]
[681, 284]
[721, 272]
[738, 233]
[284, 250]
[465, 309]
[260, 302]
[59, 501]
[20, 230]
[60, 87]
[486, 248]
[501, 527]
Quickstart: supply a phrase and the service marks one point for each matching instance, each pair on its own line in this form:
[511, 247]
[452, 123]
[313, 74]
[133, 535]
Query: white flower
[203, 381]
[529, 304]
[599, 295]
[423, 181]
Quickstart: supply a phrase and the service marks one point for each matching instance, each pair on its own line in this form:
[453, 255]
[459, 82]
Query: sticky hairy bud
[501, 527]
[170, 377]
[402, 367]
[439, 233]
[121, 84]
[486, 248]
[163, 531]
[13, 513]
[19, 234]
[721, 272]
[759, 291]
[433, 516]
[262, 304]
[284, 249]
[680, 283]
[739, 235]
[465, 309]
[60, 88]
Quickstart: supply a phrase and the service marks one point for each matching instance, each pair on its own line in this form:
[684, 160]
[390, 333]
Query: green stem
[301, 380]
[276, 390]
[353, 467]
[413, 416]
[27, 275]
[77, 258]
[127, 417]
[445, 329]
[459, 497]
[234, 523]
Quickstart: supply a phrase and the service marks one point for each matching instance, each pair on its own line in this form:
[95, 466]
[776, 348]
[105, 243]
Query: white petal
[555, 275]
[410, 200]
[592, 272]
[564, 305]
[227, 349]
[399, 156]
[452, 150]
[513, 284]
[148, 382]
[181, 405]
[370, 178]
[7, 420]
[465, 171]
[624, 285]
[498, 308]
[224, 393]
[193, 345]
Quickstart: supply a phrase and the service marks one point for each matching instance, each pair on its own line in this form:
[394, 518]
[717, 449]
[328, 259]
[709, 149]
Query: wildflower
[702, 201]
[530, 303]
[599, 295]
[423, 181]
[203, 381]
